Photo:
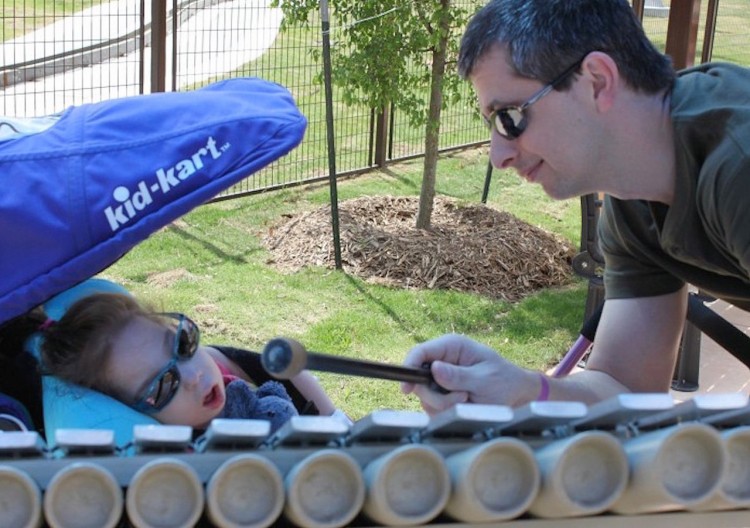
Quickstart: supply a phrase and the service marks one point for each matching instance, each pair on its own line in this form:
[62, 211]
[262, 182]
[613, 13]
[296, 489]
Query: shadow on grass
[535, 316]
[210, 247]
[529, 320]
[407, 182]
[358, 285]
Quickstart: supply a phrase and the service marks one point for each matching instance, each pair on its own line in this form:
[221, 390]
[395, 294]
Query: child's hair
[76, 347]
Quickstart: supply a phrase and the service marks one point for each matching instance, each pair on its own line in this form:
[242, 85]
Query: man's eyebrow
[491, 107]
[496, 103]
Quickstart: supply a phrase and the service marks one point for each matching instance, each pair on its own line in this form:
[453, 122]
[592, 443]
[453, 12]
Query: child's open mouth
[214, 399]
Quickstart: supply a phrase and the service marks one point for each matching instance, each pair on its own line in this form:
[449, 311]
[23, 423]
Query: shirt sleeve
[634, 260]
[726, 204]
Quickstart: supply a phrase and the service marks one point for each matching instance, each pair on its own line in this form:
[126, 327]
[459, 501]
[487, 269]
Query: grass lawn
[22, 16]
[212, 264]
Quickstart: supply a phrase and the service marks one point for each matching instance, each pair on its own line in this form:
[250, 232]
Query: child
[154, 362]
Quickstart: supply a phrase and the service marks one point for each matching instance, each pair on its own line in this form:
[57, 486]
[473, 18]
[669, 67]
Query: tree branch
[423, 18]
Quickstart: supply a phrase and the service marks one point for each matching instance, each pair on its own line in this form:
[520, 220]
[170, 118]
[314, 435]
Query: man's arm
[635, 349]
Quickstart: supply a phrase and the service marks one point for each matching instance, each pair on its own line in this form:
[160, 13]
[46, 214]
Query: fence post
[381, 137]
[326, 29]
[158, 45]
[487, 180]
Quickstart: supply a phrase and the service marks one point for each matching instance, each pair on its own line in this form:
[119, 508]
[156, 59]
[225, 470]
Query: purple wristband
[544, 391]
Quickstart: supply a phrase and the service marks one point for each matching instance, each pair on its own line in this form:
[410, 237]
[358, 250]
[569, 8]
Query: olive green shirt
[703, 238]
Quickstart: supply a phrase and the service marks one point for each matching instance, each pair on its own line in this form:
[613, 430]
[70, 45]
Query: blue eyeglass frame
[503, 121]
[148, 403]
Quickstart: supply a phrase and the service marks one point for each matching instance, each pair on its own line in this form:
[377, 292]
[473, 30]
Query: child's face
[141, 351]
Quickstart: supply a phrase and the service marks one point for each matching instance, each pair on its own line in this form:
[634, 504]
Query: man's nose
[503, 152]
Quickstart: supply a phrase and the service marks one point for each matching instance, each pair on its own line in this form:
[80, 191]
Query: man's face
[556, 147]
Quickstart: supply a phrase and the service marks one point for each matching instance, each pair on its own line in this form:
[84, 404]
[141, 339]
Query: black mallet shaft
[284, 358]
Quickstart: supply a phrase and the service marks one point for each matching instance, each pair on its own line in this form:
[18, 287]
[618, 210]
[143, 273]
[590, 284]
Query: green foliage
[381, 50]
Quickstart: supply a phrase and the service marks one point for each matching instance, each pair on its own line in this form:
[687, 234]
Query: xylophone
[637, 458]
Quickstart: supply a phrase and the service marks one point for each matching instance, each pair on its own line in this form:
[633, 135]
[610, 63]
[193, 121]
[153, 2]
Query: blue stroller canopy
[80, 193]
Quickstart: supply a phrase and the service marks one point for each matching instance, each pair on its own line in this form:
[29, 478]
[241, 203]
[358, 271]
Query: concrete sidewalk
[211, 42]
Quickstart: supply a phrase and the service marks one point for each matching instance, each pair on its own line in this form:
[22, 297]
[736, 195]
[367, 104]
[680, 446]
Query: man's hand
[472, 372]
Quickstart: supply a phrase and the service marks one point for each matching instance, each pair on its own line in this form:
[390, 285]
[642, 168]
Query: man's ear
[604, 78]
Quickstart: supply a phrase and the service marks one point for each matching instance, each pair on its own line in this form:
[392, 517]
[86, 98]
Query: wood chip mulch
[470, 248]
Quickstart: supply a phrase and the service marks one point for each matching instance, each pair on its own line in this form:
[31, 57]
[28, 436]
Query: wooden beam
[638, 8]
[682, 32]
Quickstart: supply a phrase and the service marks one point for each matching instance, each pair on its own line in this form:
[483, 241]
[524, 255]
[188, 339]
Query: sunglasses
[511, 121]
[164, 386]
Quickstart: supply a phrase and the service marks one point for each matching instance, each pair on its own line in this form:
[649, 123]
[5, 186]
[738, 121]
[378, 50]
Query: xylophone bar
[543, 465]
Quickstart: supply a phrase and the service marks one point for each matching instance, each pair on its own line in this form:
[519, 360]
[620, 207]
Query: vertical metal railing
[158, 45]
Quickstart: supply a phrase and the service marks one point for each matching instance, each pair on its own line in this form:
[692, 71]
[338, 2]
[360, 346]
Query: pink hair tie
[47, 325]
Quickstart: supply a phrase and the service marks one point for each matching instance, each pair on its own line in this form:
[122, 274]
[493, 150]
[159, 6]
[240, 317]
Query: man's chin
[555, 193]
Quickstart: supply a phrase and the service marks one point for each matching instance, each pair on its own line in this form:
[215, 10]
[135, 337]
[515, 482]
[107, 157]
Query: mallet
[284, 358]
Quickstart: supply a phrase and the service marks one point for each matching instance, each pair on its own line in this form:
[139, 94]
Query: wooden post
[682, 32]
[638, 8]
[381, 137]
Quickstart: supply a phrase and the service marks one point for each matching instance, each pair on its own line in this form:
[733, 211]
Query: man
[579, 101]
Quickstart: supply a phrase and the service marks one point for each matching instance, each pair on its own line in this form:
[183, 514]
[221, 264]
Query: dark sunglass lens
[188, 338]
[164, 389]
[152, 398]
[510, 122]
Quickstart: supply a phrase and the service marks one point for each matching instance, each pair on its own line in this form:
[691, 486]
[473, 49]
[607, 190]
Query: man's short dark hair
[544, 37]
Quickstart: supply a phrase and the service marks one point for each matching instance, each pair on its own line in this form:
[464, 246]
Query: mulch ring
[470, 248]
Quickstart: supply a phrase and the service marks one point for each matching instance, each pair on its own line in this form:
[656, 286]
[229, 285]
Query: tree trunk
[432, 132]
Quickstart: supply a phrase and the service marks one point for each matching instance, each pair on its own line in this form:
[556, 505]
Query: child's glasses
[164, 386]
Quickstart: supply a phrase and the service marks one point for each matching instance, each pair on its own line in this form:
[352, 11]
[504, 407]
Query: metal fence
[72, 52]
